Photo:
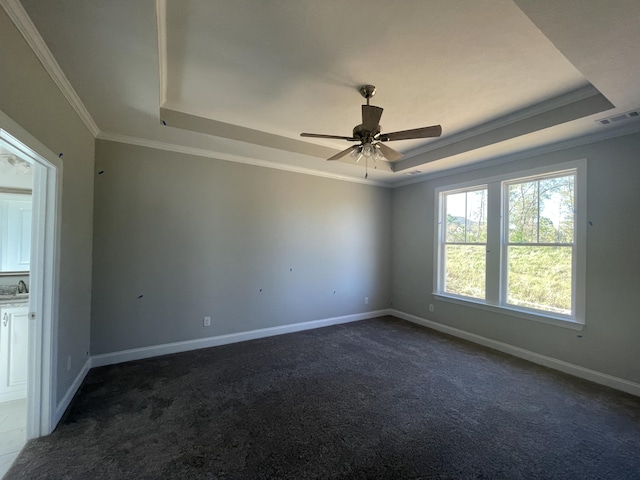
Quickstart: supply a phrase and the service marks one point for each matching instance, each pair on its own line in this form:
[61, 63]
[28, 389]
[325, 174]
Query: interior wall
[180, 237]
[608, 342]
[30, 97]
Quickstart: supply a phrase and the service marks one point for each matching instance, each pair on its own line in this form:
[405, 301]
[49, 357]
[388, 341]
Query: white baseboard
[9, 396]
[570, 368]
[177, 347]
[71, 391]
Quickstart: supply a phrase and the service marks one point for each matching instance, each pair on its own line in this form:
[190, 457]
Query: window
[465, 242]
[539, 223]
[516, 242]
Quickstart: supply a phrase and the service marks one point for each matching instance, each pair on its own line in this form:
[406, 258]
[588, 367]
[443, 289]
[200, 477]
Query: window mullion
[466, 213]
[494, 208]
[441, 269]
[538, 211]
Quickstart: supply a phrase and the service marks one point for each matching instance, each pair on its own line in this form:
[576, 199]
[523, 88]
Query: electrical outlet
[366, 300]
[207, 321]
[431, 307]
[68, 362]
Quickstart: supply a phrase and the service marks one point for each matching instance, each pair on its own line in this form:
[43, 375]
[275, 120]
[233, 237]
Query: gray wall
[30, 97]
[609, 342]
[198, 236]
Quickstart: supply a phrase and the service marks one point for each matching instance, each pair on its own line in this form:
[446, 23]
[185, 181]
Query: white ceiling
[241, 79]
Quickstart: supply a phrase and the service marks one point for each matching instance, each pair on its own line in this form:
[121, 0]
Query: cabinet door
[16, 242]
[14, 341]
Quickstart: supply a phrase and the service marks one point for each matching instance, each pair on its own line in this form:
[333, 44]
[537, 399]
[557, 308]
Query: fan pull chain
[366, 167]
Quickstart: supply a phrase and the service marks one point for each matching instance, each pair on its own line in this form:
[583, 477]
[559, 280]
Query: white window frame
[497, 234]
[442, 238]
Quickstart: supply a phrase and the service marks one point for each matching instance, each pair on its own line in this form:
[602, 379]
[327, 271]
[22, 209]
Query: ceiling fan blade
[426, 132]
[388, 152]
[320, 135]
[343, 153]
[371, 118]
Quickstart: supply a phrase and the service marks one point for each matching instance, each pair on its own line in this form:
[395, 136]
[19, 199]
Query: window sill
[536, 317]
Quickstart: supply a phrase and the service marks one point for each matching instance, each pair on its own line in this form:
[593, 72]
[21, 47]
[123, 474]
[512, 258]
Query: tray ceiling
[240, 79]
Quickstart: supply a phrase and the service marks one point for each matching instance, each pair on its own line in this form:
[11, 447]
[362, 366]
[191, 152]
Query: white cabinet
[15, 232]
[14, 341]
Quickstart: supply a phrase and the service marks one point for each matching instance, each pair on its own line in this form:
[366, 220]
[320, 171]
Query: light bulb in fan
[356, 153]
[20, 165]
[378, 154]
[368, 150]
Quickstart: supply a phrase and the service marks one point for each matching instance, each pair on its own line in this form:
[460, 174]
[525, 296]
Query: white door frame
[44, 274]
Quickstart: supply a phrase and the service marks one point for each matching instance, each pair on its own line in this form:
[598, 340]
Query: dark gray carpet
[373, 399]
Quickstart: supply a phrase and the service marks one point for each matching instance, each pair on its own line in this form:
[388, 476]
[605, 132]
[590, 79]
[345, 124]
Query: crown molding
[572, 97]
[161, 24]
[199, 152]
[528, 153]
[23, 23]
[524, 154]
[485, 135]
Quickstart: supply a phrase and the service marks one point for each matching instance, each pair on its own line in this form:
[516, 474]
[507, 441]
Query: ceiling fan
[370, 137]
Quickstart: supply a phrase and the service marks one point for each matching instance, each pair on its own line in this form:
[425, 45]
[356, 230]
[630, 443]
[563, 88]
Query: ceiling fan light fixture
[370, 138]
[378, 154]
[368, 150]
[357, 153]
[19, 165]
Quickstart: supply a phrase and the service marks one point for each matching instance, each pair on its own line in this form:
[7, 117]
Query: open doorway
[16, 184]
[28, 316]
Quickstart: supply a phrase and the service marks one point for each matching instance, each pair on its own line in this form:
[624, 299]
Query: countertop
[11, 300]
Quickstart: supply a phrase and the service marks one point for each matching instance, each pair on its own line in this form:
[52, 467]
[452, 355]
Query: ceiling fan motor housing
[364, 135]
